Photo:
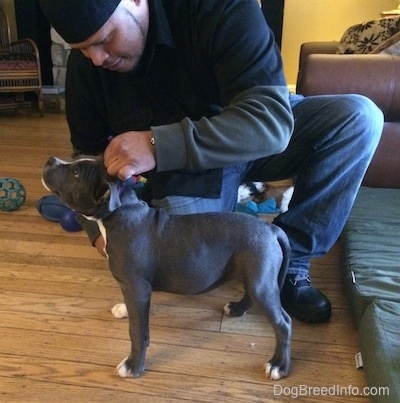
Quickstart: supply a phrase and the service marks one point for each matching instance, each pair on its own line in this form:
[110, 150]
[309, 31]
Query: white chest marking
[103, 232]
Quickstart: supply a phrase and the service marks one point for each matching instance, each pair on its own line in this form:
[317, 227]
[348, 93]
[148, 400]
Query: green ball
[12, 194]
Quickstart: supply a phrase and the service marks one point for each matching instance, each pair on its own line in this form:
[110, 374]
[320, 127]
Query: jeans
[333, 142]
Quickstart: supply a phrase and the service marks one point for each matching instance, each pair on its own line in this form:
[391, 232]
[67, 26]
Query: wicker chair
[19, 70]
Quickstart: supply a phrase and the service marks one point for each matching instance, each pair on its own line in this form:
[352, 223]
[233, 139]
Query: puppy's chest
[120, 231]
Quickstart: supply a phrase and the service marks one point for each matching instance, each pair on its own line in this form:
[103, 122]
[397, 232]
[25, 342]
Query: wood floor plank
[60, 343]
[104, 354]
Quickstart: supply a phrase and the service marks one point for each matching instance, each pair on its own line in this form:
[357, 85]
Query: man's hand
[130, 153]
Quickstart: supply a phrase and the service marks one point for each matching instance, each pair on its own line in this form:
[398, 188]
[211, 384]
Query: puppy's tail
[286, 250]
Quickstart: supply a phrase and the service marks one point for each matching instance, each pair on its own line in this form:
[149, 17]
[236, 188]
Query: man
[192, 94]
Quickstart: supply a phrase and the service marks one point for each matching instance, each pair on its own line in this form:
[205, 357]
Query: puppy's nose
[52, 161]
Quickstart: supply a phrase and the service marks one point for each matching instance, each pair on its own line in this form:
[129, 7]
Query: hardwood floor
[60, 343]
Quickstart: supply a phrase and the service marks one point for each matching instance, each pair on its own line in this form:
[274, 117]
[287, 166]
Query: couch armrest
[354, 74]
[384, 169]
[375, 76]
[308, 48]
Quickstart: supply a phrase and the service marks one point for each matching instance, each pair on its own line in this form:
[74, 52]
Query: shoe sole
[320, 317]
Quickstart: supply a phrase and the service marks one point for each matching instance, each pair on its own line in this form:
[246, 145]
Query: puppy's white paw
[125, 371]
[286, 197]
[235, 309]
[273, 372]
[247, 190]
[119, 311]
[122, 370]
[227, 309]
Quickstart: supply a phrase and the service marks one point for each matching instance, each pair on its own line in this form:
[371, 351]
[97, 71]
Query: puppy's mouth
[48, 183]
[45, 185]
[49, 188]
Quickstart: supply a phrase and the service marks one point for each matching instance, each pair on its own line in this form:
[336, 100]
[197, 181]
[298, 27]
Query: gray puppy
[184, 254]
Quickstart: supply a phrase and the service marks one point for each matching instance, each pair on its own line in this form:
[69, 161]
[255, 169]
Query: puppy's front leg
[137, 299]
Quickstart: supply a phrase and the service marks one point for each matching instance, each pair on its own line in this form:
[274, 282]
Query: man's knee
[365, 117]
[354, 121]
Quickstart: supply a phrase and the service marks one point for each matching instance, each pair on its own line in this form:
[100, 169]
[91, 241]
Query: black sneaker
[303, 301]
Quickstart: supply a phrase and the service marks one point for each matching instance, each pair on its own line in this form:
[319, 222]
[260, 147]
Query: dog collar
[132, 181]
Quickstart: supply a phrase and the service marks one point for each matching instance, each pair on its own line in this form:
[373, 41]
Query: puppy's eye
[75, 172]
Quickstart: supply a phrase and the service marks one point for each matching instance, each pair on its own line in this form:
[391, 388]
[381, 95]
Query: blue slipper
[51, 208]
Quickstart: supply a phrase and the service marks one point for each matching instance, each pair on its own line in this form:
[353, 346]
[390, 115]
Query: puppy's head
[82, 184]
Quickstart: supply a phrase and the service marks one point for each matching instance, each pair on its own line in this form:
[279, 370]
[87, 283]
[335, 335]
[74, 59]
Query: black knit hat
[77, 20]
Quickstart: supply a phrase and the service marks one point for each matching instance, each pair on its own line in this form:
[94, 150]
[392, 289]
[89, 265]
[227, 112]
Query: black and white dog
[260, 191]
[185, 254]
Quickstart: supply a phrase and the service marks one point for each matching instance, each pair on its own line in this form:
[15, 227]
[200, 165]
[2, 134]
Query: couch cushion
[390, 46]
[17, 62]
[379, 334]
[365, 37]
[371, 249]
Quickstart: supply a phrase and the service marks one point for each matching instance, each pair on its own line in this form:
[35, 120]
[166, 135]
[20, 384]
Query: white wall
[322, 20]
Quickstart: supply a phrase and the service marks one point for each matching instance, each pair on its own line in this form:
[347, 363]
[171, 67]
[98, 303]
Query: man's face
[119, 44]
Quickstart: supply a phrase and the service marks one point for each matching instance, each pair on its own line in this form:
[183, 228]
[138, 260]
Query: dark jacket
[210, 86]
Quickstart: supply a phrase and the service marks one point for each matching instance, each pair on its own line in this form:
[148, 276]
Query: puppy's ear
[103, 170]
[107, 198]
[102, 193]
[108, 192]
[114, 201]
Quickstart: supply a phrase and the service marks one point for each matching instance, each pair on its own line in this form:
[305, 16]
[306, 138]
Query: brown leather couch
[321, 71]
[371, 238]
